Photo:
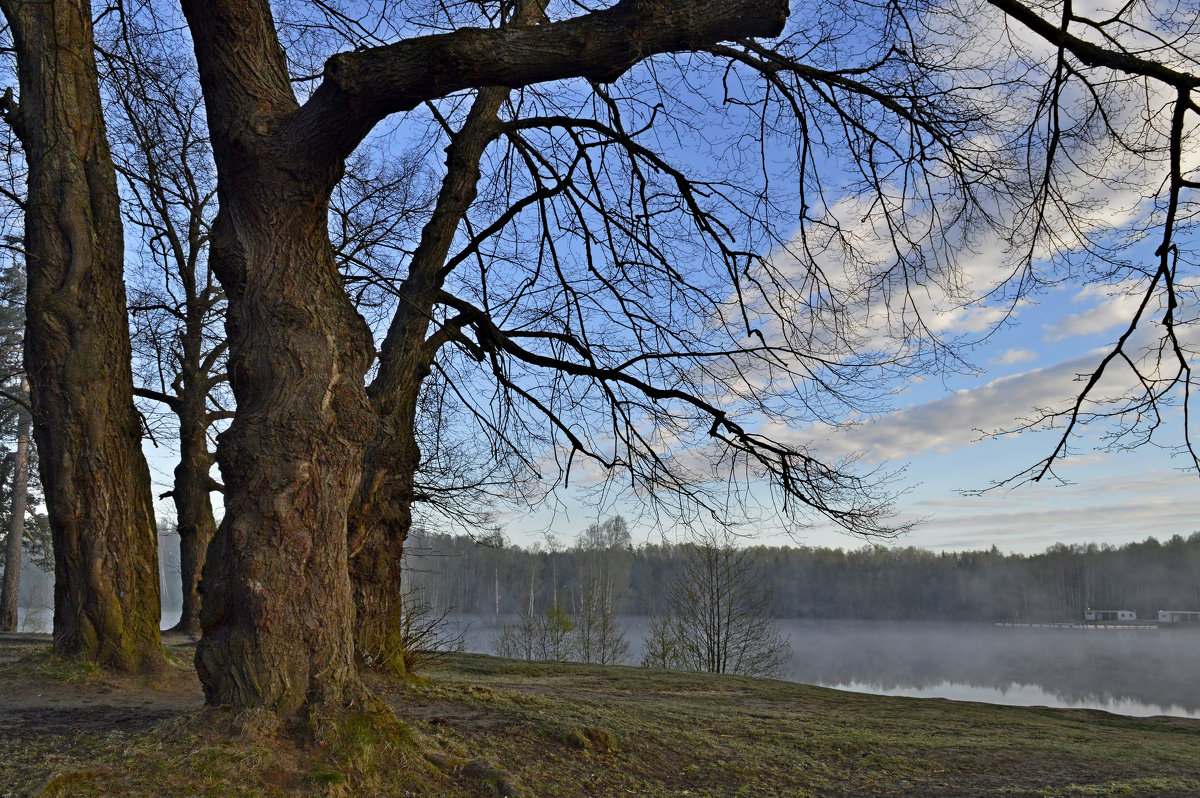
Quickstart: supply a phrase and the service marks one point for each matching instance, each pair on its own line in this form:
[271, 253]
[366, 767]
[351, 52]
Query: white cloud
[1084, 460]
[1012, 356]
[1112, 312]
[968, 319]
[967, 416]
[956, 420]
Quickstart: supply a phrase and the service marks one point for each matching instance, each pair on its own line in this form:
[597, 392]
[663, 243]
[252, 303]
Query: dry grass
[478, 726]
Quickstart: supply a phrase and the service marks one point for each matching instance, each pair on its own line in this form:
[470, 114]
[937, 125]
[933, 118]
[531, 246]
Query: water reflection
[1019, 695]
[1143, 672]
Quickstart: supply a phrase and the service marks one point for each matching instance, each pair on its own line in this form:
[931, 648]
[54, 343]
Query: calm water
[1130, 672]
[1145, 672]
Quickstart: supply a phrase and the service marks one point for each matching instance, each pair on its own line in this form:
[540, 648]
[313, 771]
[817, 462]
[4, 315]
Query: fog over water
[1129, 672]
[1138, 672]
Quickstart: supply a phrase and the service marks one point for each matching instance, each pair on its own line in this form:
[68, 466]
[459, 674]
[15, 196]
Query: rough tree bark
[277, 607]
[77, 350]
[11, 591]
[278, 611]
[382, 515]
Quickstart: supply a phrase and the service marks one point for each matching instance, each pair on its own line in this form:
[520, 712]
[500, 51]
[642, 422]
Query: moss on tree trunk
[77, 350]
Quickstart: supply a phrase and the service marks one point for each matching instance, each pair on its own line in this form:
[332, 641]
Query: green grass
[41, 662]
[478, 726]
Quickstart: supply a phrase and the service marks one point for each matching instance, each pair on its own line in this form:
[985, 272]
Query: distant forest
[488, 576]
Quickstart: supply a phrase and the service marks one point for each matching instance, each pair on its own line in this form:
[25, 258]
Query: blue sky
[934, 431]
[934, 435]
[1111, 497]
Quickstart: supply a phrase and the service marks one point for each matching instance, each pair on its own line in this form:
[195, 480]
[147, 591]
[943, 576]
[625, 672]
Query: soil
[34, 705]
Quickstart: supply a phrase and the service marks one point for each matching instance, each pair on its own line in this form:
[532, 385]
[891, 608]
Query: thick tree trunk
[277, 614]
[380, 522]
[277, 609]
[11, 591]
[77, 351]
[193, 505]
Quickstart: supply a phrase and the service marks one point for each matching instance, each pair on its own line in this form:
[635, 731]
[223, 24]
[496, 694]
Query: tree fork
[277, 613]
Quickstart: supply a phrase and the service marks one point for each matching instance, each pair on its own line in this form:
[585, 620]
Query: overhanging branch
[363, 87]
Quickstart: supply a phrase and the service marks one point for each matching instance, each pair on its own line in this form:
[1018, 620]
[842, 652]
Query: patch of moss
[73, 783]
[585, 738]
[600, 739]
[326, 776]
[479, 774]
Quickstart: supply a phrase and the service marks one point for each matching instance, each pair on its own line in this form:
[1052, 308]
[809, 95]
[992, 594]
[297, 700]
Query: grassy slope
[478, 724]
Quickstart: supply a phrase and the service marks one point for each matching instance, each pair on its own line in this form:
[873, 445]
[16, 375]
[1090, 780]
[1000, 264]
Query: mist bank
[1133, 671]
[490, 576]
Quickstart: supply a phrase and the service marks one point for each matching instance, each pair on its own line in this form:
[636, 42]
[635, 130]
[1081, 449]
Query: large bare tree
[77, 349]
[278, 609]
[161, 150]
[660, 245]
[160, 143]
[628, 307]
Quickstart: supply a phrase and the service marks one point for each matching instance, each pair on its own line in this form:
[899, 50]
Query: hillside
[478, 726]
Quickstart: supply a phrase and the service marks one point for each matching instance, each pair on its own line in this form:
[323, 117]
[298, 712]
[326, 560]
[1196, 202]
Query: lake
[1130, 672]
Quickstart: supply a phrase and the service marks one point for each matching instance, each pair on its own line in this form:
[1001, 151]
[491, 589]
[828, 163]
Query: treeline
[490, 576]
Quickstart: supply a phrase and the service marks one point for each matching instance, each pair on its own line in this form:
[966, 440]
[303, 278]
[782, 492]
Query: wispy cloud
[1012, 356]
[959, 419]
[1112, 312]
[1115, 509]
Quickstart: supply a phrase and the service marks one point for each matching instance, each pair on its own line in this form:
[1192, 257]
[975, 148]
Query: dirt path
[33, 705]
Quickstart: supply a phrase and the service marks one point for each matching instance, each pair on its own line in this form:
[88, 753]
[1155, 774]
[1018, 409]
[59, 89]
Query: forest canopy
[455, 573]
